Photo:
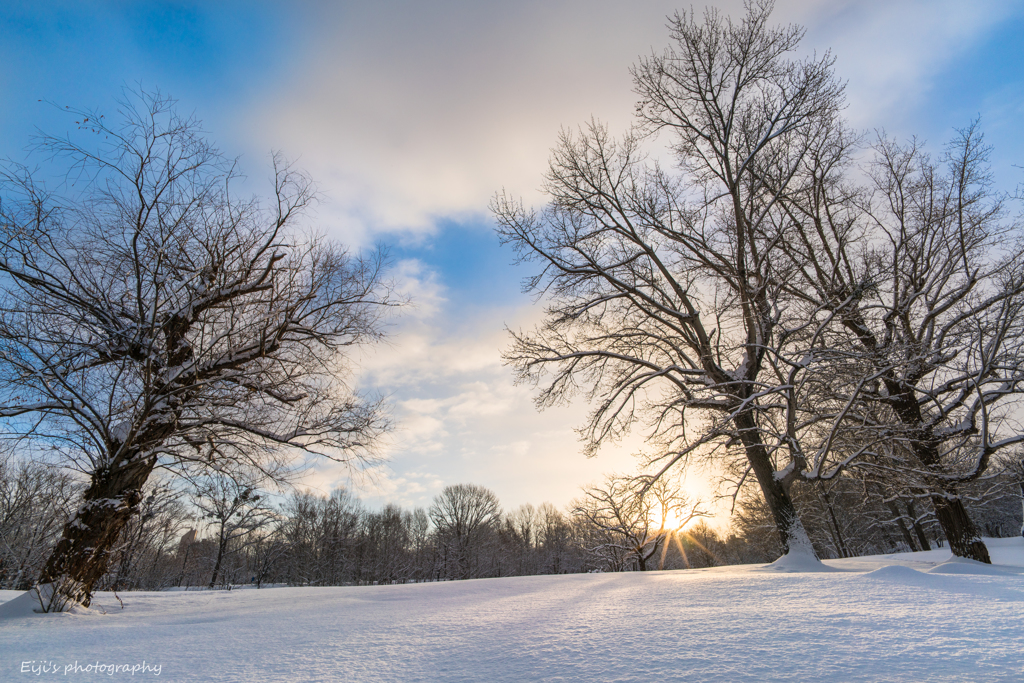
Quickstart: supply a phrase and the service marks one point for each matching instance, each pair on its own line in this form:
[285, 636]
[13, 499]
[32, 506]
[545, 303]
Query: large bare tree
[150, 318]
[665, 297]
[918, 283]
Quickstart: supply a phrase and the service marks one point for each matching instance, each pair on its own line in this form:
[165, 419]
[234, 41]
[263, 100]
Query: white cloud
[410, 111]
[406, 112]
[460, 418]
[890, 52]
[420, 286]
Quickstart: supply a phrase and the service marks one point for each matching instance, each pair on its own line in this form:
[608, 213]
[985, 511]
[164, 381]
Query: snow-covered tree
[150, 318]
[920, 279]
[235, 510]
[664, 293]
[35, 500]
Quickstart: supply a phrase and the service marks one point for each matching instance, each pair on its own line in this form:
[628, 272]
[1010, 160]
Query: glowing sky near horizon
[411, 115]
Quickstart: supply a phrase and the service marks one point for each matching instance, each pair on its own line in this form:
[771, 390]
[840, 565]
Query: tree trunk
[837, 532]
[216, 566]
[964, 539]
[81, 556]
[922, 537]
[792, 534]
[898, 518]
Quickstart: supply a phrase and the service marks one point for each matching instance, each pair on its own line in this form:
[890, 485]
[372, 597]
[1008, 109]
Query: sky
[411, 115]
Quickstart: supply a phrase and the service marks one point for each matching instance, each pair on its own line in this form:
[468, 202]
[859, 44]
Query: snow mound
[797, 563]
[907, 576]
[961, 565]
[899, 572]
[935, 581]
[25, 605]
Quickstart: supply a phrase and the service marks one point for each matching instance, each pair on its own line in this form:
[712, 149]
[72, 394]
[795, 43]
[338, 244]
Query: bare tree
[560, 541]
[35, 501]
[464, 515]
[265, 557]
[420, 543]
[147, 540]
[322, 534]
[921, 280]
[385, 540]
[1012, 466]
[150, 318]
[663, 289]
[235, 510]
[519, 535]
[634, 521]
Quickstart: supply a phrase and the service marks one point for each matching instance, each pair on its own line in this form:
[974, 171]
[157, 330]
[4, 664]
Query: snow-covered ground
[911, 617]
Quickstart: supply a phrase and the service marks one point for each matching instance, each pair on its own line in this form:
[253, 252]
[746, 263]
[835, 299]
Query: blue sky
[411, 115]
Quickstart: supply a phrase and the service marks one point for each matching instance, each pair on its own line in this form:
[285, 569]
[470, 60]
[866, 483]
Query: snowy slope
[882, 618]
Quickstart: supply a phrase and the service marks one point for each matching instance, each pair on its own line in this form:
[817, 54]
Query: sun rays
[676, 537]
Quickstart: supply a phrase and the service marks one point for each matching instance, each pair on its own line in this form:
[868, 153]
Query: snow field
[912, 617]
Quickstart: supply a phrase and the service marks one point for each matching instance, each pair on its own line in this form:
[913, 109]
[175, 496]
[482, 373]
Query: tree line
[224, 533]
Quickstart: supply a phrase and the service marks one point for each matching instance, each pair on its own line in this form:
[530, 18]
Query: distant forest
[226, 534]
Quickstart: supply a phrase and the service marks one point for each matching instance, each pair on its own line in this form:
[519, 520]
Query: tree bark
[836, 532]
[963, 536]
[81, 556]
[216, 566]
[964, 539]
[792, 534]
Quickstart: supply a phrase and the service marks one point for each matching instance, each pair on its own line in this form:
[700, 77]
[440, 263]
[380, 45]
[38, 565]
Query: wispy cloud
[408, 112]
[891, 53]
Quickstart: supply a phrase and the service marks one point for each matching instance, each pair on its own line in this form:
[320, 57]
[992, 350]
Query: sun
[674, 519]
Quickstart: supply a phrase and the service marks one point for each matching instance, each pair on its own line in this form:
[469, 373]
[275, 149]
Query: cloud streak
[408, 112]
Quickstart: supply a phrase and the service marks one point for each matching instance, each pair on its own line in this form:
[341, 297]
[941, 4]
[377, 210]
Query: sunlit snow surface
[913, 617]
